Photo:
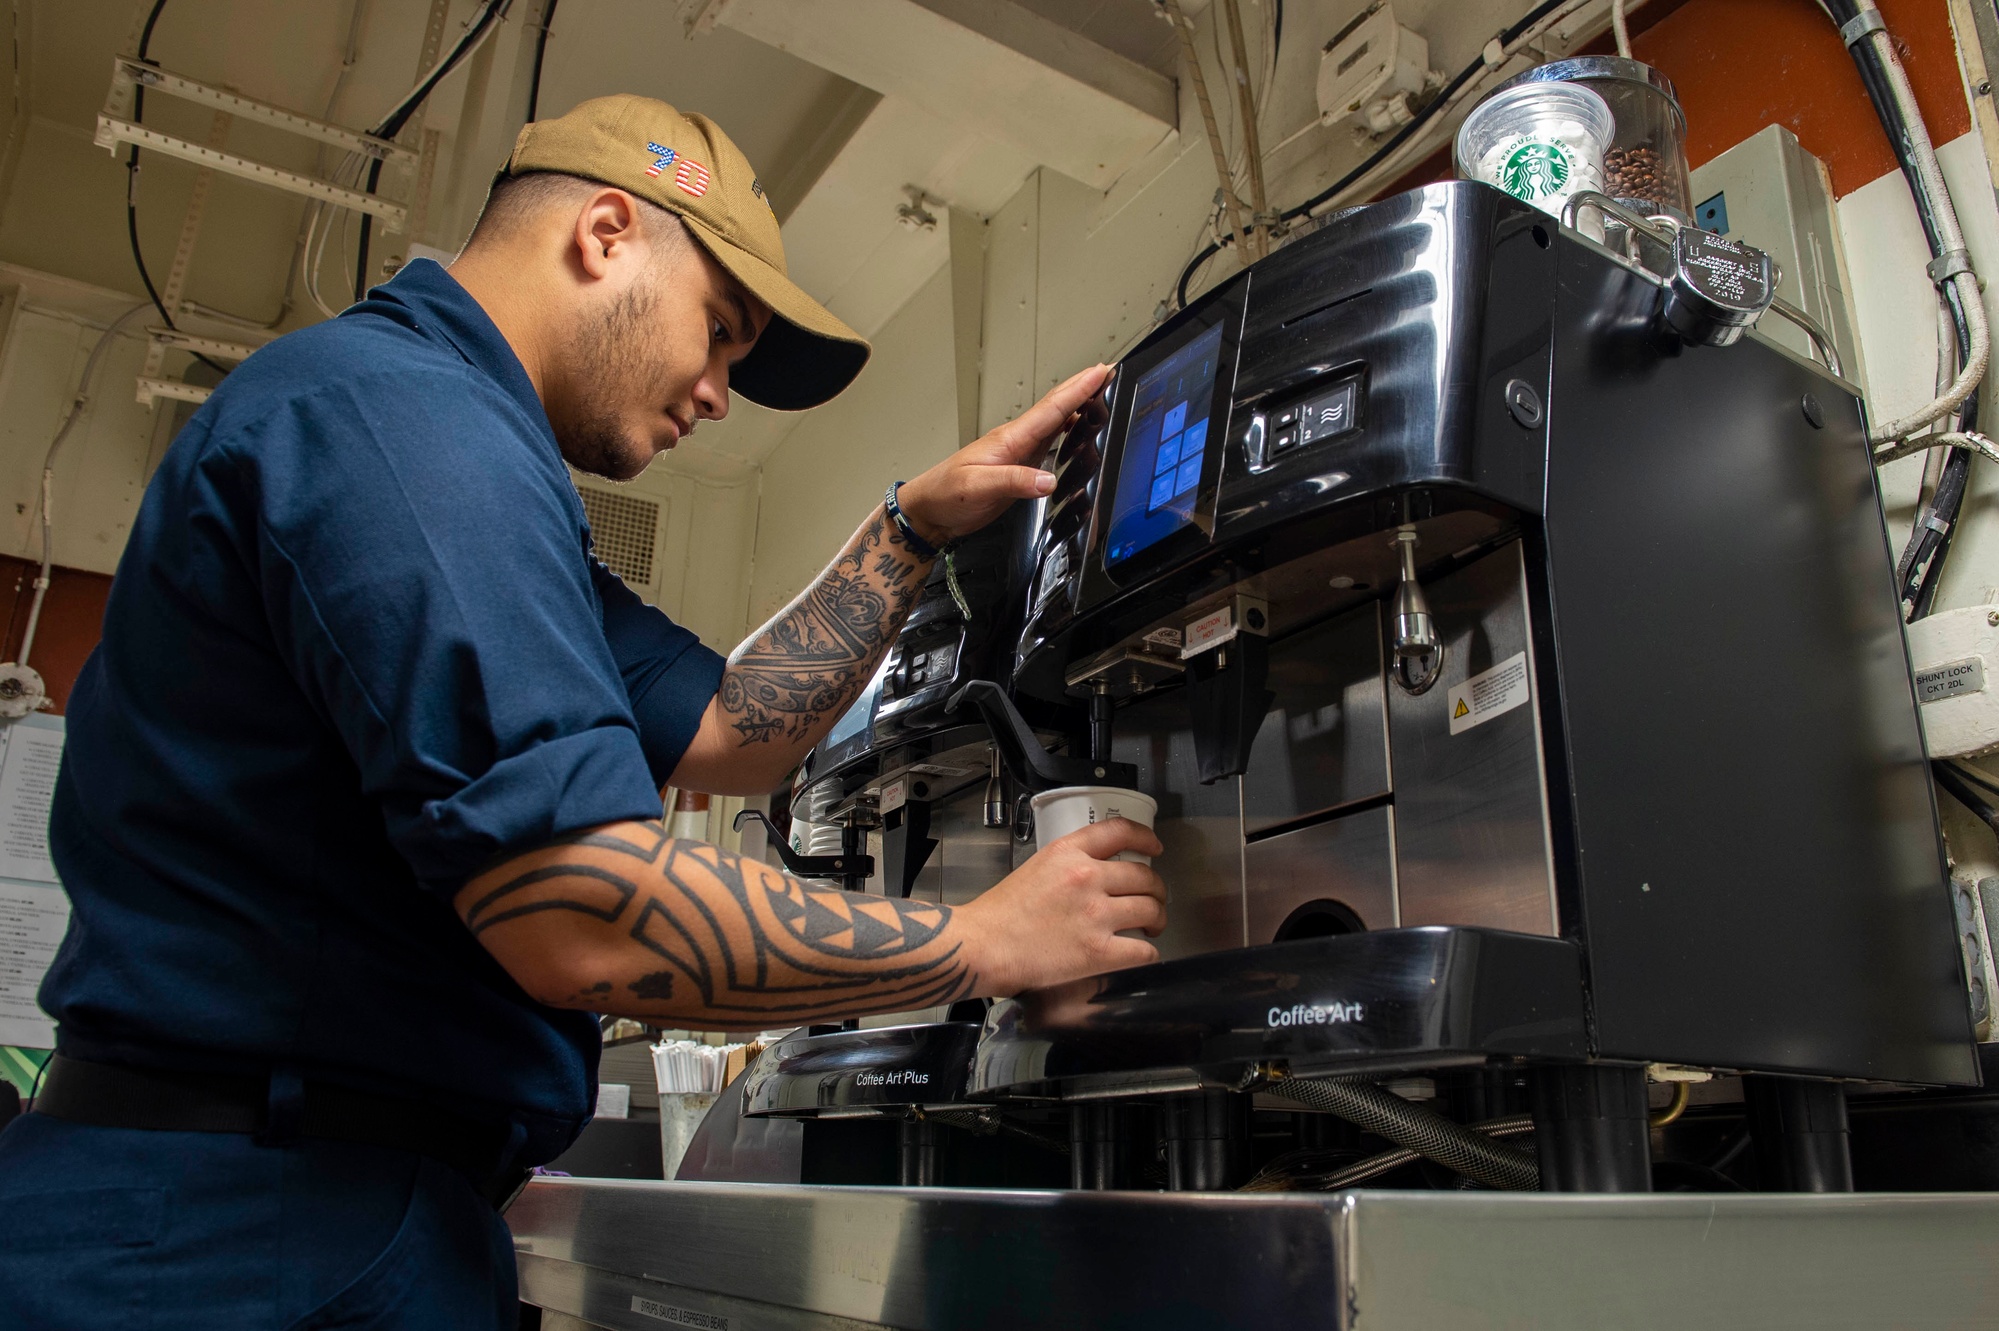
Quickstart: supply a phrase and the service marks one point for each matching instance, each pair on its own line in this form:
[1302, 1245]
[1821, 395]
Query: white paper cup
[1068, 809]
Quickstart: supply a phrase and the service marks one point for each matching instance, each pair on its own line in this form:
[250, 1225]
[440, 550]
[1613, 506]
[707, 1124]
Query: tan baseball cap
[687, 165]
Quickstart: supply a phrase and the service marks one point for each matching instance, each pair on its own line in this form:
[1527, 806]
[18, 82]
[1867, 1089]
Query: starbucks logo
[1534, 171]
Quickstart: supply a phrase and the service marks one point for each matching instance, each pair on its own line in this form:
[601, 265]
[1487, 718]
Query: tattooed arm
[784, 688]
[626, 920]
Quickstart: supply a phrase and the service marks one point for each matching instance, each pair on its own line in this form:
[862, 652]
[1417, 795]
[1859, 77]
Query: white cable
[1946, 370]
[1190, 53]
[1972, 439]
[347, 173]
[1929, 178]
[1293, 137]
[1620, 28]
[69, 421]
[1237, 151]
[353, 162]
[306, 263]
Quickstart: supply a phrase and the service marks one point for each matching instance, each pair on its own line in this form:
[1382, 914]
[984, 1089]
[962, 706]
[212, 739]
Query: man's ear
[608, 222]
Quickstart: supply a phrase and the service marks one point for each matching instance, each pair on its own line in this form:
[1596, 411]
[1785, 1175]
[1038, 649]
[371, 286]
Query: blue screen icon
[1169, 454]
[1189, 475]
[1176, 416]
[1196, 439]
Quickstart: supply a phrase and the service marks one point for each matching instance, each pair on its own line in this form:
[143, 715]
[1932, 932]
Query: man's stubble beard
[611, 362]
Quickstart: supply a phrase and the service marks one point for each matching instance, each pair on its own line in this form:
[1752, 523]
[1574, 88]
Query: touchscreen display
[1159, 471]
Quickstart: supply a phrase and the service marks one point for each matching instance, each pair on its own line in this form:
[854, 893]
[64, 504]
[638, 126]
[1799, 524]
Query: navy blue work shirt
[357, 649]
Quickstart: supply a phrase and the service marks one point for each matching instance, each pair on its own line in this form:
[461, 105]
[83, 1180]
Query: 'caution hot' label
[1488, 694]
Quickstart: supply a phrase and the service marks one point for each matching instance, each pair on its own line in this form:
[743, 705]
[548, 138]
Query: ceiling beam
[991, 65]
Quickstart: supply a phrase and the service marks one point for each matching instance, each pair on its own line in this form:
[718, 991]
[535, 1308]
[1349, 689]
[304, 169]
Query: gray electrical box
[1767, 191]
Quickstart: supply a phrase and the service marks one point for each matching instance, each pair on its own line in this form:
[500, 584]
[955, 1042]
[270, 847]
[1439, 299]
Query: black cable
[361, 249]
[145, 44]
[132, 189]
[1948, 502]
[1946, 505]
[1396, 140]
[1978, 778]
[399, 115]
[1960, 790]
[541, 49]
[1919, 571]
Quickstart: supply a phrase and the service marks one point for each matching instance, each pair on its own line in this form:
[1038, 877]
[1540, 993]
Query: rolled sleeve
[424, 568]
[670, 676]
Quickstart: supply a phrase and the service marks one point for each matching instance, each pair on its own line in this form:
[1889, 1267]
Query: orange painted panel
[72, 621]
[1739, 65]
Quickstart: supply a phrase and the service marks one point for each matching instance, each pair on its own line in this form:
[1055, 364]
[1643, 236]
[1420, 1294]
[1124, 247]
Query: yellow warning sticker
[1489, 693]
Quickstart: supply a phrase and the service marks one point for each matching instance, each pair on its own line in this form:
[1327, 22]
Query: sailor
[360, 809]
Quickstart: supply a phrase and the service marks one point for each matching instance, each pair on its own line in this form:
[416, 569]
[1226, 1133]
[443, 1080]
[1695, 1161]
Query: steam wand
[1419, 653]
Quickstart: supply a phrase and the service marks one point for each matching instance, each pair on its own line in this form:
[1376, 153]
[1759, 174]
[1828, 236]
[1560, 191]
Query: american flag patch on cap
[691, 176]
[662, 157]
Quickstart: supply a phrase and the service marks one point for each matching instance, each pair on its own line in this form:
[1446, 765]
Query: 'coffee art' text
[1314, 1014]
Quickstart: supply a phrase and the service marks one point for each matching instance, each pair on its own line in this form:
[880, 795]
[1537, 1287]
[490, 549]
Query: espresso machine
[1509, 642]
[1511, 650]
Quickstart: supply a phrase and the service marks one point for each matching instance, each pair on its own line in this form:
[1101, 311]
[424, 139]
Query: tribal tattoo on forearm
[814, 657]
[703, 935]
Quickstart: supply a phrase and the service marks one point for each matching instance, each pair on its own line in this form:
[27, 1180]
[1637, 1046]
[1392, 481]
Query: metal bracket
[1242, 614]
[151, 388]
[1948, 265]
[173, 339]
[1862, 26]
[115, 127]
[1822, 339]
[112, 132]
[1572, 212]
[1126, 671]
[127, 75]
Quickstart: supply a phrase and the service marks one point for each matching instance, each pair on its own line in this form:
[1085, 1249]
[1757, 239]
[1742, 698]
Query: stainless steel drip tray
[807, 1075]
[1381, 1000]
[750, 1257]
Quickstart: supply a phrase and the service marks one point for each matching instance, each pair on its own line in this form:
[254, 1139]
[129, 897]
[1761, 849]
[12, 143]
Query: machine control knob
[1718, 288]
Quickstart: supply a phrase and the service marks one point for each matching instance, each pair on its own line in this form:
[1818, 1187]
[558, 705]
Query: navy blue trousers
[158, 1231]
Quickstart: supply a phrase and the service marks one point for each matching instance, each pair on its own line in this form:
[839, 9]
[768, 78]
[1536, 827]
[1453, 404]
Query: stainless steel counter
[745, 1257]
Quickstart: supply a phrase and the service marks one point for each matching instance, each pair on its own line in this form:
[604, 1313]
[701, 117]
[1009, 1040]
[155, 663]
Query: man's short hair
[512, 200]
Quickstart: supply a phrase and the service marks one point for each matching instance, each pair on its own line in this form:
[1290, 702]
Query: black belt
[279, 1110]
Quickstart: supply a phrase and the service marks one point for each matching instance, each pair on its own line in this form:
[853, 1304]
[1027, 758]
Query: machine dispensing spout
[1033, 767]
[997, 812]
[1419, 653]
